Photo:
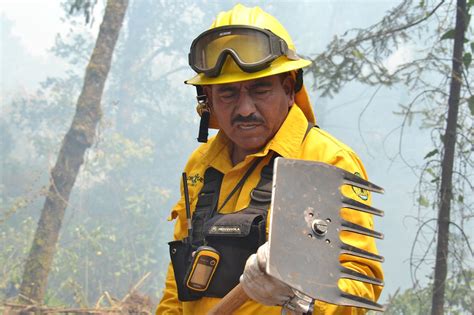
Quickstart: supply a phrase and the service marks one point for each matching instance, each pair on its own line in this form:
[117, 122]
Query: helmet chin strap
[206, 114]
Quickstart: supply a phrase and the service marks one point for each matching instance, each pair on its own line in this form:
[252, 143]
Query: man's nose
[246, 105]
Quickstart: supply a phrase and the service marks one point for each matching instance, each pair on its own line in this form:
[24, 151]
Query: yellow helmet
[240, 20]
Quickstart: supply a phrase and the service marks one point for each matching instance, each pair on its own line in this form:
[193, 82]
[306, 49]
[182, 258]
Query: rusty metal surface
[305, 225]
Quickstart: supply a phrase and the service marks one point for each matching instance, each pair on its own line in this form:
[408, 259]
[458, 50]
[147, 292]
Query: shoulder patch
[194, 179]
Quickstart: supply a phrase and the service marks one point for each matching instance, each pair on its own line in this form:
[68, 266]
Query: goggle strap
[291, 54]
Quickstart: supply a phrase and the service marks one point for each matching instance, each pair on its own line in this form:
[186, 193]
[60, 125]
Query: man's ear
[288, 85]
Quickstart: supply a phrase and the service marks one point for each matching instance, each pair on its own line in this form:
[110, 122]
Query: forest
[92, 157]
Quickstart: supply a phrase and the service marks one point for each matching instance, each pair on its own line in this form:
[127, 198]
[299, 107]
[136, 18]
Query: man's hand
[261, 287]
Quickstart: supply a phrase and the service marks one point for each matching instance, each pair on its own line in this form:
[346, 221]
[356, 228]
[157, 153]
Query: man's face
[251, 112]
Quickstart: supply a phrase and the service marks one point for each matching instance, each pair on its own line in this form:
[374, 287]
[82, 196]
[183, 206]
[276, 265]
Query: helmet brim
[278, 66]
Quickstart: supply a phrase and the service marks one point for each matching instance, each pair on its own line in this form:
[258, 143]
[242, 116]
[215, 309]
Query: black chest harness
[235, 236]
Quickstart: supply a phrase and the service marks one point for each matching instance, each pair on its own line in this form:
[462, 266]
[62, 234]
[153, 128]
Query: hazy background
[115, 228]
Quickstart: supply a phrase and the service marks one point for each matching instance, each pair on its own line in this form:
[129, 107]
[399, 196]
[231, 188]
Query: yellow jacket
[288, 142]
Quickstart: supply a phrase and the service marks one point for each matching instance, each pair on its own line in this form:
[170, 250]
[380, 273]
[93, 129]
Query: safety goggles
[253, 49]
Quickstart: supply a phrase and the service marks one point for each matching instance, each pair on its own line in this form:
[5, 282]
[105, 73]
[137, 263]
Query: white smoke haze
[125, 191]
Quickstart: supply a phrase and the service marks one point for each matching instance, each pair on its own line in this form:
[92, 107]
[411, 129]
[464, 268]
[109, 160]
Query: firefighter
[250, 87]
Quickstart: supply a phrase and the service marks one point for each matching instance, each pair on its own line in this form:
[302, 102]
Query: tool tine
[353, 204]
[354, 275]
[359, 229]
[357, 301]
[354, 180]
[355, 251]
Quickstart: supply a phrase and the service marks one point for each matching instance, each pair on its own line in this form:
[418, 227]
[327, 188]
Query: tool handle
[231, 302]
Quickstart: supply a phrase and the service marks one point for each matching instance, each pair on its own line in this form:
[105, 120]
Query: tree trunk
[441, 265]
[71, 156]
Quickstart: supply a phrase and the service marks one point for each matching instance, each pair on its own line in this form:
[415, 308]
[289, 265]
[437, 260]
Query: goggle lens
[250, 46]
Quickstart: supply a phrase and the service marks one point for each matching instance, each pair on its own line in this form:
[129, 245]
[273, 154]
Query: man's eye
[261, 92]
[228, 95]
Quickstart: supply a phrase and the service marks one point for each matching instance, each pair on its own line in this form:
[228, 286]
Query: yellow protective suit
[288, 142]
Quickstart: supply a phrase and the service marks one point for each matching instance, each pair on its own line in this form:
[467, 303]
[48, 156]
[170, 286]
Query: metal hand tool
[305, 227]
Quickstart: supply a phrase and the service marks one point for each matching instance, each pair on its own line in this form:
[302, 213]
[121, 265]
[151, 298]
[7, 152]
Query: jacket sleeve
[169, 304]
[349, 161]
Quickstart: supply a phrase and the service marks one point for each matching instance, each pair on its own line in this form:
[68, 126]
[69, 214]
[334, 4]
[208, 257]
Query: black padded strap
[207, 202]
[261, 195]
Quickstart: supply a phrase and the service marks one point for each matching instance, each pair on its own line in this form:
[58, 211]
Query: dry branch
[132, 303]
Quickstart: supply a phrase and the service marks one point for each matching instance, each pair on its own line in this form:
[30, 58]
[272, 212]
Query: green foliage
[411, 301]
[85, 7]
[470, 103]
[15, 242]
[466, 59]
[423, 201]
[459, 298]
[357, 54]
[431, 153]
[448, 35]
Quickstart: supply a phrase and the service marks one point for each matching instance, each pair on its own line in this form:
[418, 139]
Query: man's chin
[251, 145]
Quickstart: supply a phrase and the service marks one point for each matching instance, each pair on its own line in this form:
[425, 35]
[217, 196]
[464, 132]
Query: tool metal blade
[305, 223]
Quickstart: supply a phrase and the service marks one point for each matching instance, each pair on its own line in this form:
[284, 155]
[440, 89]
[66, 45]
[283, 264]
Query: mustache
[247, 119]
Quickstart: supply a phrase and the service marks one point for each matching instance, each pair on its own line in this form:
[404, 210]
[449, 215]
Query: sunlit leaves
[356, 53]
[423, 201]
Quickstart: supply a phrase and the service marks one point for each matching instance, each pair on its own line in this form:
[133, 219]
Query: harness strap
[207, 200]
[261, 195]
[241, 181]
